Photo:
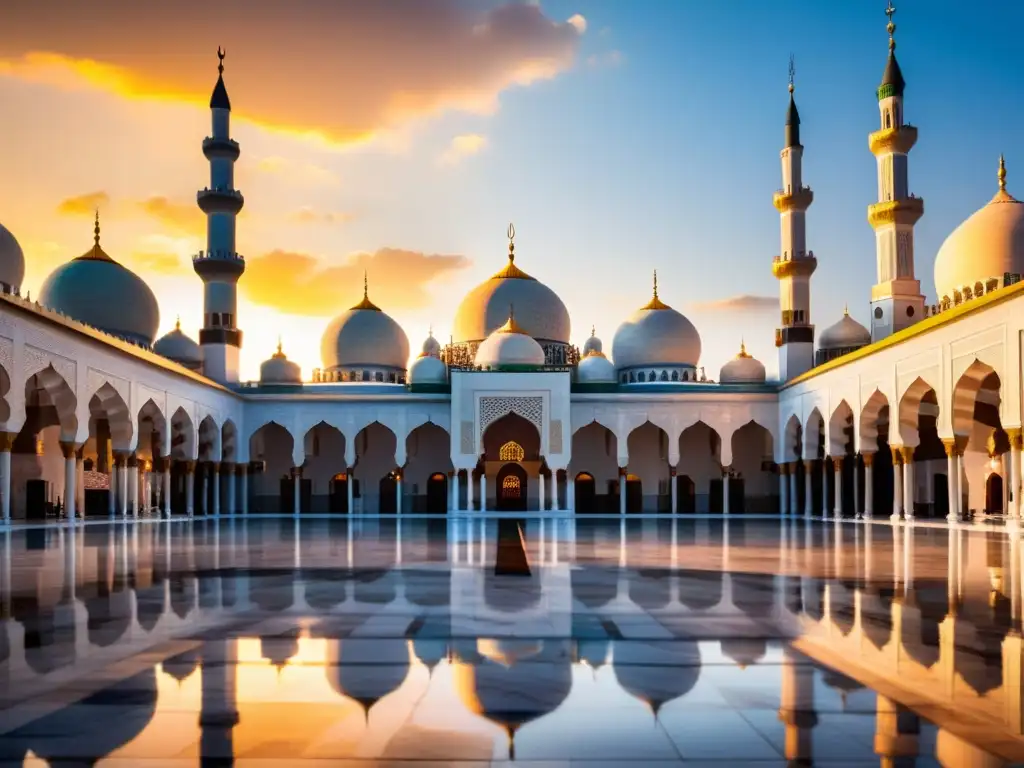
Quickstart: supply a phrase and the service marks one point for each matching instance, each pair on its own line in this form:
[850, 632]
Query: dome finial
[511, 242]
[366, 303]
[1001, 174]
[220, 60]
[593, 330]
[891, 26]
[177, 323]
[655, 302]
[743, 347]
[846, 310]
[279, 346]
[655, 284]
[792, 73]
[96, 229]
[366, 285]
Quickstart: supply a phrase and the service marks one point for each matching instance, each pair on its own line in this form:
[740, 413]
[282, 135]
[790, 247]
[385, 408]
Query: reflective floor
[536, 642]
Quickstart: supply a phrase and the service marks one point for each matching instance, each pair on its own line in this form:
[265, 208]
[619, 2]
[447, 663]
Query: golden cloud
[83, 205]
[295, 171]
[462, 146]
[182, 217]
[162, 263]
[300, 284]
[308, 215]
[742, 303]
[339, 71]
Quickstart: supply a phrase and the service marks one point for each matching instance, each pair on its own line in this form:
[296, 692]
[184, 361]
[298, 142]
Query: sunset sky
[402, 136]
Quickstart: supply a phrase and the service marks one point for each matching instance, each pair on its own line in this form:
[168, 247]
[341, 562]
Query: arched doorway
[338, 499]
[586, 493]
[437, 494]
[510, 489]
[994, 494]
[634, 494]
[388, 489]
[686, 499]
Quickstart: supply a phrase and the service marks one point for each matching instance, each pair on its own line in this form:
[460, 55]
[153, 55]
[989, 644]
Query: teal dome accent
[12, 260]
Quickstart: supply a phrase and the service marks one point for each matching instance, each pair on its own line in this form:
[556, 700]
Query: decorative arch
[976, 389]
[512, 427]
[183, 436]
[915, 395]
[108, 404]
[874, 413]
[649, 453]
[5, 388]
[209, 440]
[511, 451]
[529, 408]
[814, 430]
[793, 448]
[840, 430]
[700, 451]
[152, 429]
[752, 481]
[228, 441]
[50, 388]
[427, 467]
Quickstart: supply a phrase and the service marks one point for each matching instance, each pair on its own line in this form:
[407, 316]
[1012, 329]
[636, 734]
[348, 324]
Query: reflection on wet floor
[538, 641]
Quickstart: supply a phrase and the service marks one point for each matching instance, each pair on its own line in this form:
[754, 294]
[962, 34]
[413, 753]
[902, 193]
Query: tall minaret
[896, 300]
[220, 265]
[795, 264]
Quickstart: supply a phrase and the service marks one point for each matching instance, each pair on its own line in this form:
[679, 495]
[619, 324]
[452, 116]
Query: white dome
[595, 368]
[656, 335]
[12, 260]
[845, 334]
[593, 344]
[539, 311]
[987, 245]
[279, 369]
[742, 369]
[431, 347]
[364, 337]
[178, 347]
[428, 369]
[509, 347]
[96, 290]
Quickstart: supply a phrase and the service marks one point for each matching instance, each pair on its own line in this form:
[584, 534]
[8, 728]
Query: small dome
[595, 368]
[987, 245]
[542, 314]
[279, 369]
[431, 347]
[364, 336]
[656, 335]
[96, 290]
[12, 260]
[593, 344]
[179, 348]
[428, 369]
[509, 347]
[742, 369]
[846, 334]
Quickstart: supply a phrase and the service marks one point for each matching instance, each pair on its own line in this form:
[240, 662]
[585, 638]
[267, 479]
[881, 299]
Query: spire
[177, 323]
[892, 80]
[593, 331]
[366, 303]
[655, 302]
[511, 271]
[792, 116]
[846, 310]
[511, 326]
[96, 253]
[96, 229]
[280, 351]
[219, 99]
[743, 349]
[1001, 174]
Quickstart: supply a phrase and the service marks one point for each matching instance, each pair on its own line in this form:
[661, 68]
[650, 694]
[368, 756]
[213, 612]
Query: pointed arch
[228, 441]
[814, 435]
[5, 389]
[874, 414]
[183, 436]
[840, 430]
[914, 398]
[325, 467]
[152, 426]
[108, 404]
[793, 437]
[976, 390]
[209, 440]
[48, 388]
[649, 453]
[752, 480]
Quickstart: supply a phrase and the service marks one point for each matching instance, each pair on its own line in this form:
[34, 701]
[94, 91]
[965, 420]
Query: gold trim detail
[868, 457]
[887, 140]
[655, 302]
[511, 271]
[802, 266]
[800, 200]
[365, 303]
[906, 211]
[511, 326]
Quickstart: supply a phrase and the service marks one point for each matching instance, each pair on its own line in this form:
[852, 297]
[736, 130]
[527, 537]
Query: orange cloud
[291, 170]
[300, 284]
[182, 217]
[162, 263]
[742, 303]
[342, 72]
[83, 205]
[310, 216]
[462, 146]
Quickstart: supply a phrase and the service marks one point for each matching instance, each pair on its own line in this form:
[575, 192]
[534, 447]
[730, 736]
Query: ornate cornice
[888, 140]
[800, 266]
[906, 211]
[800, 200]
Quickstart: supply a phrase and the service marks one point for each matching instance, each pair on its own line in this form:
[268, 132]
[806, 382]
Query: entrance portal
[437, 494]
[586, 492]
[994, 494]
[510, 489]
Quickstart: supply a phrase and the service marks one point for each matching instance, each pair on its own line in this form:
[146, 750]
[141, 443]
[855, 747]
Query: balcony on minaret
[215, 146]
[794, 265]
[906, 211]
[786, 200]
[218, 265]
[220, 200]
[900, 140]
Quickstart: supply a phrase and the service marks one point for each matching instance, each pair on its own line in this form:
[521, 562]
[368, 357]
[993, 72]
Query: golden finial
[366, 303]
[593, 331]
[743, 348]
[655, 283]
[655, 302]
[792, 73]
[96, 229]
[891, 26]
[366, 285]
[1001, 175]
[279, 347]
[511, 271]
[177, 323]
[220, 64]
[511, 242]
[511, 326]
[846, 310]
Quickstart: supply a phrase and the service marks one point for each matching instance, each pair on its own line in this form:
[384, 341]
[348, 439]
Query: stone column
[133, 484]
[673, 489]
[190, 488]
[856, 487]
[897, 482]
[837, 501]
[122, 482]
[483, 491]
[797, 707]
[554, 491]
[469, 490]
[232, 479]
[215, 471]
[398, 491]
[218, 714]
[826, 465]
[79, 481]
[896, 732]
[783, 489]
[869, 488]
[112, 493]
[622, 490]
[909, 483]
[808, 488]
[204, 496]
[952, 479]
[6, 441]
[794, 498]
[540, 492]
[165, 479]
[297, 491]
[455, 492]
[69, 450]
[243, 473]
[570, 494]
[1016, 444]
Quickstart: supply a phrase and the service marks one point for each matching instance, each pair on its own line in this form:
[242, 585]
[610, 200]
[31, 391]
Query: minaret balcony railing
[906, 211]
[900, 140]
[231, 256]
[800, 265]
[216, 146]
[220, 200]
[787, 200]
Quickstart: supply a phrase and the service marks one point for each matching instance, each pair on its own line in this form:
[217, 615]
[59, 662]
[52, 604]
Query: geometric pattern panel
[466, 438]
[555, 443]
[493, 408]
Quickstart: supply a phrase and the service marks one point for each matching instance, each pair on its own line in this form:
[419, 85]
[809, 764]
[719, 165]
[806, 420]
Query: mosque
[917, 416]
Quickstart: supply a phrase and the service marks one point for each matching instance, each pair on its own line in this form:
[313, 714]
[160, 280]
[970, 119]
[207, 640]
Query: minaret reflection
[796, 711]
[896, 733]
[219, 710]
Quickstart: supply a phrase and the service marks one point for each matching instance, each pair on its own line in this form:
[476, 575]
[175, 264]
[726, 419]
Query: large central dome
[539, 311]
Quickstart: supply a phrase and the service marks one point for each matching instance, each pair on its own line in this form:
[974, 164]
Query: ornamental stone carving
[96, 379]
[555, 443]
[7, 354]
[466, 438]
[493, 408]
[37, 360]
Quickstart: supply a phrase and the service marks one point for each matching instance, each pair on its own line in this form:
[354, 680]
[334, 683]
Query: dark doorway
[715, 496]
[338, 500]
[940, 491]
[994, 494]
[634, 494]
[388, 494]
[288, 495]
[586, 492]
[686, 496]
[437, 494]
[510, 489]
[35, 499]
[737, 496]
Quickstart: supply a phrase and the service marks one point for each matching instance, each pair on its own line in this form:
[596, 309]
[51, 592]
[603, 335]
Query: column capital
[897, 454]
[1016, 435]
[190, 467]
[949, 443]
[7, 441]
[121, 458]
[907, 454]
[133, 460]
[798, 718]
[214, 465]
[726, 470]
[69, 449]
[297, 471]
[868, 457]
[784, 468]
[227, 467]
[240, 468]
[622, 471]
[809, 467]
[671, 471]
[451, 473]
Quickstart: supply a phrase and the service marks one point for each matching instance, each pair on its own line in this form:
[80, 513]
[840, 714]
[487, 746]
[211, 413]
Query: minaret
[896, 300]
[795, 264]
[220, 265]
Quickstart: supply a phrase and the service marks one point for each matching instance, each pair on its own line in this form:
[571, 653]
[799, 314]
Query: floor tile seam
[760, 733]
